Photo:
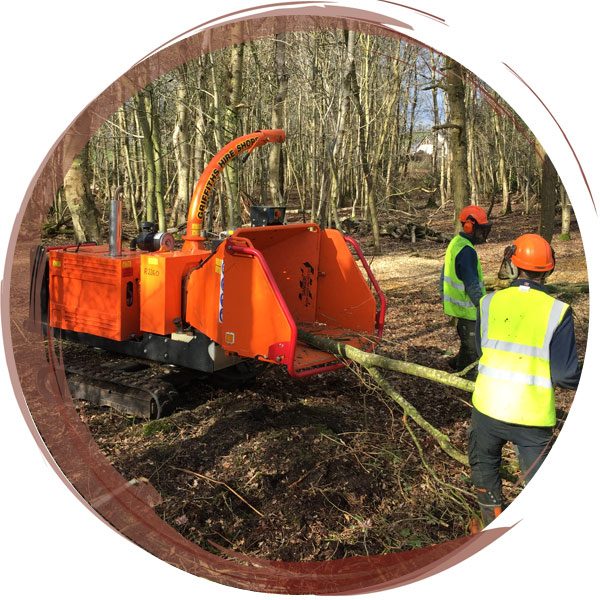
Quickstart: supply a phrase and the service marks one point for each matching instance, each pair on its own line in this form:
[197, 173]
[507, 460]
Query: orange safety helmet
[471, 216]
[531, 252]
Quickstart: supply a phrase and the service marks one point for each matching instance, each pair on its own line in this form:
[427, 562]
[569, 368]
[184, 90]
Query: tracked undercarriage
[128, 386]
[141, 387]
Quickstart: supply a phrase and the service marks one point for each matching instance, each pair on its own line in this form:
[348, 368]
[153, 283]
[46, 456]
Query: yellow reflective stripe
[520, 363]
[556, 313]
[514, 377]
[467, 304]
[455, 284]
[515, 348]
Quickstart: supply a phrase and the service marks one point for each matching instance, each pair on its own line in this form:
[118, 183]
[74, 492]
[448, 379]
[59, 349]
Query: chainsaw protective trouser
[467, 353]
[486, 437]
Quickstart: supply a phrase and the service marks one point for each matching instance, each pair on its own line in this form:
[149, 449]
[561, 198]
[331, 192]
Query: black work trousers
[467, 353]
[487, 436]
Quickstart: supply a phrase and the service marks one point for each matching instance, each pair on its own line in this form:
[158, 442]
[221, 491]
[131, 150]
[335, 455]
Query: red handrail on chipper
[283, 346]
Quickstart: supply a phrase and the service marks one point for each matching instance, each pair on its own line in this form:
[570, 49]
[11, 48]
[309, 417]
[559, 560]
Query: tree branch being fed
[373, 362]
[409, 410]
[369, 359]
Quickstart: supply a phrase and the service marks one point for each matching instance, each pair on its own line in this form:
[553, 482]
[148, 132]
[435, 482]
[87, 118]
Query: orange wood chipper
[208, 309]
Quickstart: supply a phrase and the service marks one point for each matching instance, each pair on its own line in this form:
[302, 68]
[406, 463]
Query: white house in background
[426, 144]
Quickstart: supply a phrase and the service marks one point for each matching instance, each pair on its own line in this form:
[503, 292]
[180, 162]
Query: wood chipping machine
[214, 308]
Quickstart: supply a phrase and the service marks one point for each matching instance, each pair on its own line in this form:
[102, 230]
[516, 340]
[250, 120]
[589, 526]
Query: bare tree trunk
[340, 134]
[471, 167]
[459, 177]
[565, 229]
[363, 146]
[411, 127]
[548, 196]
[181, 146]
[499, 141]
[80, 201]
[275, 150]
[315, 136]
[154, 124]
[232, 130]
[201, 133]
[148, 149]
[321, 214]
[137, 163]
[527, 197]
[443, 182]
[479, 176]
[391, 124]
[219, 142]
[130, 187]
[436, 122]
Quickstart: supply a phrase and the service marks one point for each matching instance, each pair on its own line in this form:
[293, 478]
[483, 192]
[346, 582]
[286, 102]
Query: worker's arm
[478, 333]
[564, 365]
[442, 284]
[466, 269]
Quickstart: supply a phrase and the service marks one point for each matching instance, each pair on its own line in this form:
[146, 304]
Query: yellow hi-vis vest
[514, 382]
[456, 300]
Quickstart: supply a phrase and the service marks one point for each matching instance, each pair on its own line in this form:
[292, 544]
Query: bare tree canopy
[368, 120]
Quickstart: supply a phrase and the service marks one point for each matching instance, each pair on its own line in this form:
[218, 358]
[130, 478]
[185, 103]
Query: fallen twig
[219, 483]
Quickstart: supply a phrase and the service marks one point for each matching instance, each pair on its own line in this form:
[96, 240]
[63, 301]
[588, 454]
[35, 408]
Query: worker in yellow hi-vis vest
[461, 281]
[526, 342]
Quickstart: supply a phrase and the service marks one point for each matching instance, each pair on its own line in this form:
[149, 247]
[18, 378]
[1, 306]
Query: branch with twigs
[373, 363]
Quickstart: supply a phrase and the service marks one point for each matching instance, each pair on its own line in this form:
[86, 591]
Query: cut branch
[493, 283]
[215, 481]
[369, 359]
[372, 362]
[442, 439]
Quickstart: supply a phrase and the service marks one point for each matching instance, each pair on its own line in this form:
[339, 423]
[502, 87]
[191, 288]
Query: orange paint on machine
[210, 306]
[94, 293]
[161, 276]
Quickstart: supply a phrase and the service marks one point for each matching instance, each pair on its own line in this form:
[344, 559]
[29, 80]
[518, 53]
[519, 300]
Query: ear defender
[507, 269]
[468, 225]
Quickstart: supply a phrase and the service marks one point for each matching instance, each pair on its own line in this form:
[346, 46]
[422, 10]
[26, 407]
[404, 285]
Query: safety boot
[491, 505]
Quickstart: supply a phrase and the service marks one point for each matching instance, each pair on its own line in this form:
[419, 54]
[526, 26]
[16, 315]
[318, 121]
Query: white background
[58, 56]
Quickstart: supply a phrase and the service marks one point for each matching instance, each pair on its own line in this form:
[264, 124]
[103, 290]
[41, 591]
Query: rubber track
[112, 375]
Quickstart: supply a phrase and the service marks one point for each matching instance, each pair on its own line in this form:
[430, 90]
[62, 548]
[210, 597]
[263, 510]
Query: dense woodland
[369, 120]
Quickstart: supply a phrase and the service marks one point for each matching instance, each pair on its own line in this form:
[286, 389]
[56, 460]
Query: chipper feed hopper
[209, 309]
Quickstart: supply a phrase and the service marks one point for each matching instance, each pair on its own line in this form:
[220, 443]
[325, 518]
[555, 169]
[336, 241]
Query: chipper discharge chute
[205, 309]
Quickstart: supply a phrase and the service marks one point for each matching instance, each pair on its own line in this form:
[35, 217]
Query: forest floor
[326, 467]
